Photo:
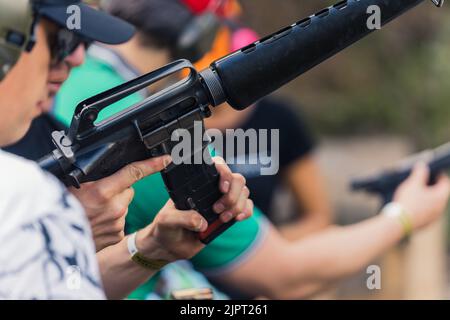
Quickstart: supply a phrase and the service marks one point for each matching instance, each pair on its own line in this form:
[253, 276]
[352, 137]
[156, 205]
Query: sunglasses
[63, 43]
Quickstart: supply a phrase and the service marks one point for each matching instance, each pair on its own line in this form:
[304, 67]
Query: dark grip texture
[196, 187]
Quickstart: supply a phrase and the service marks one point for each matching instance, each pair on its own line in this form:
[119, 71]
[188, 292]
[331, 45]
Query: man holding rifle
[251, 258]
[47, 250]
[269, 265]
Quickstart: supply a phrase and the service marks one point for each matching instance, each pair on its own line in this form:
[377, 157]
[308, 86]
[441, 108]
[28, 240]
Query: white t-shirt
[46, 247]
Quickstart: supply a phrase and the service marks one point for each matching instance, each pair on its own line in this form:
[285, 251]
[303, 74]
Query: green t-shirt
[225, 252]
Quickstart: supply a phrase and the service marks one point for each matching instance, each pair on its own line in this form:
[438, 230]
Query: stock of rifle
[385, 183]
[89, 151]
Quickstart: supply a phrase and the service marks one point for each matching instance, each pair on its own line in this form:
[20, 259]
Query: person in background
[252, 258]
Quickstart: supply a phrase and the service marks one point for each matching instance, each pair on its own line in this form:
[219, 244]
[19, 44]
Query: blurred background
[394, 82]
[386, 97]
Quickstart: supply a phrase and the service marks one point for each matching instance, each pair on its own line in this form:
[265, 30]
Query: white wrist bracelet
[131, 243]
[138, 258]
[396, 211]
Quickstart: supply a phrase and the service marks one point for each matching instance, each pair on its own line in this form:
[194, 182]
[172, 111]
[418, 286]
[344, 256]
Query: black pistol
[385, 183]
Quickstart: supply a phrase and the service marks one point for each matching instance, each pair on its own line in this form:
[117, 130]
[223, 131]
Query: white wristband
[139, 258]
[396, 211]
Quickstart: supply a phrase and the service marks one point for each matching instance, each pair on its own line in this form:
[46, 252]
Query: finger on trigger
[132, 173]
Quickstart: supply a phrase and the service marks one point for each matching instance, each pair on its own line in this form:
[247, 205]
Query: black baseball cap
[95, 25]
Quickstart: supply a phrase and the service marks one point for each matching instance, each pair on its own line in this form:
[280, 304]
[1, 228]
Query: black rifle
[90, 151]
[385, 183]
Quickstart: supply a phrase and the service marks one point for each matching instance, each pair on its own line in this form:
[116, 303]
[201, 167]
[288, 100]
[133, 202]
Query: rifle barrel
[266, 65]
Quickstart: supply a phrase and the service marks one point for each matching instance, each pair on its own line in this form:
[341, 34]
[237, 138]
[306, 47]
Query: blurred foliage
[396, 81]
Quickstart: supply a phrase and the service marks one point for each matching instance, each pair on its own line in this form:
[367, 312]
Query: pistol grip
[196, 187]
